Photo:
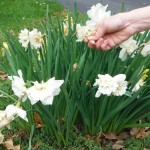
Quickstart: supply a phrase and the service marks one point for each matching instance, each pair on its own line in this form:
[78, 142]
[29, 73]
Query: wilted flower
[18, 85]
[128, 48]
[36, 39]
[44, 91]
[88, 83]
[144, 74]
[139, 84]
[108, 85]
[24, 38]
[66, 25]
[5, 45]
[146, 50]
[75, 67]
[9, 114]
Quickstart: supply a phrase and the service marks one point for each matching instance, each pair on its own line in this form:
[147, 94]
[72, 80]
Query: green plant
[64, 58]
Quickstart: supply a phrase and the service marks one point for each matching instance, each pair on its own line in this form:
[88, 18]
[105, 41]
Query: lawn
[18, 14]
[14, 16]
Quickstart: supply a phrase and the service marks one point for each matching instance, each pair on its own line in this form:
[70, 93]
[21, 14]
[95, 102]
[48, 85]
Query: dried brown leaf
[134, 131]
[110, 136]
[39, 126]
[118, 145]
[37, 119]
[17, 147]
[123, 135]
[140, 132]
[8, 144]
[3, 76]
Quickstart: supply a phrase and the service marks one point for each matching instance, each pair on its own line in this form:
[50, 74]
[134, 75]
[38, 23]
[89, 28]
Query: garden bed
[57, 81]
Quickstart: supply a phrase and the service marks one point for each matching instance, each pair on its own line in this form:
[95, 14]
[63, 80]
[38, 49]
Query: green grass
[19, 14]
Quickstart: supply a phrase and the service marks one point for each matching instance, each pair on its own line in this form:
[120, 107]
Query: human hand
[111, 32]
[118, 28]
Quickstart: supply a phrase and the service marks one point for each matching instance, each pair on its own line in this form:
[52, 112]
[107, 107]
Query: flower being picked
[18, 85]
[44, 91]
[9, 115]
[96, 14]
[84, 31]
[108, 85]
[24, 38]
[36, 39]
[146, 50]
[128, 48]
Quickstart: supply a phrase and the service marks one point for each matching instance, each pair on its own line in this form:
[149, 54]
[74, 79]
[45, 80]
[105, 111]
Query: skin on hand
[110, 33]
[118, 28]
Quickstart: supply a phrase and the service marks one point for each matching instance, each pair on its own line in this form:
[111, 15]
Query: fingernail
[92, 42]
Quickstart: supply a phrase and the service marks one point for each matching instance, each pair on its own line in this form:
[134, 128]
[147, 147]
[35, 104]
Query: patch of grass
[18, 14]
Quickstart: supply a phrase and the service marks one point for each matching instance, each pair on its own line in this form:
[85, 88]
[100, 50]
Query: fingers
[105, 46]
[101, 30]
[91, 44]
[94, 37]
[99, 43]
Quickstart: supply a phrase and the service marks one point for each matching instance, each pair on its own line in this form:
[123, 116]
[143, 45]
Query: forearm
[138, 19]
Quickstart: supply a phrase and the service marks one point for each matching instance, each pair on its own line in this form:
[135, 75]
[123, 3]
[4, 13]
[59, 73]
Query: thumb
[101, 30]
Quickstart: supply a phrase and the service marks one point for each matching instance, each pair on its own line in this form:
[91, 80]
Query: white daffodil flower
[98, 12]
[146, 50]
[36, 39]
[122, 84]
[83, 31]
[44, 91]
[24, 38]
[18, 85]
[9, 115]
[128, 48]
[108, 85]
[12, 110]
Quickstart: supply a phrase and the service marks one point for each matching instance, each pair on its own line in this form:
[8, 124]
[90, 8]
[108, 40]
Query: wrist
[138, 19]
